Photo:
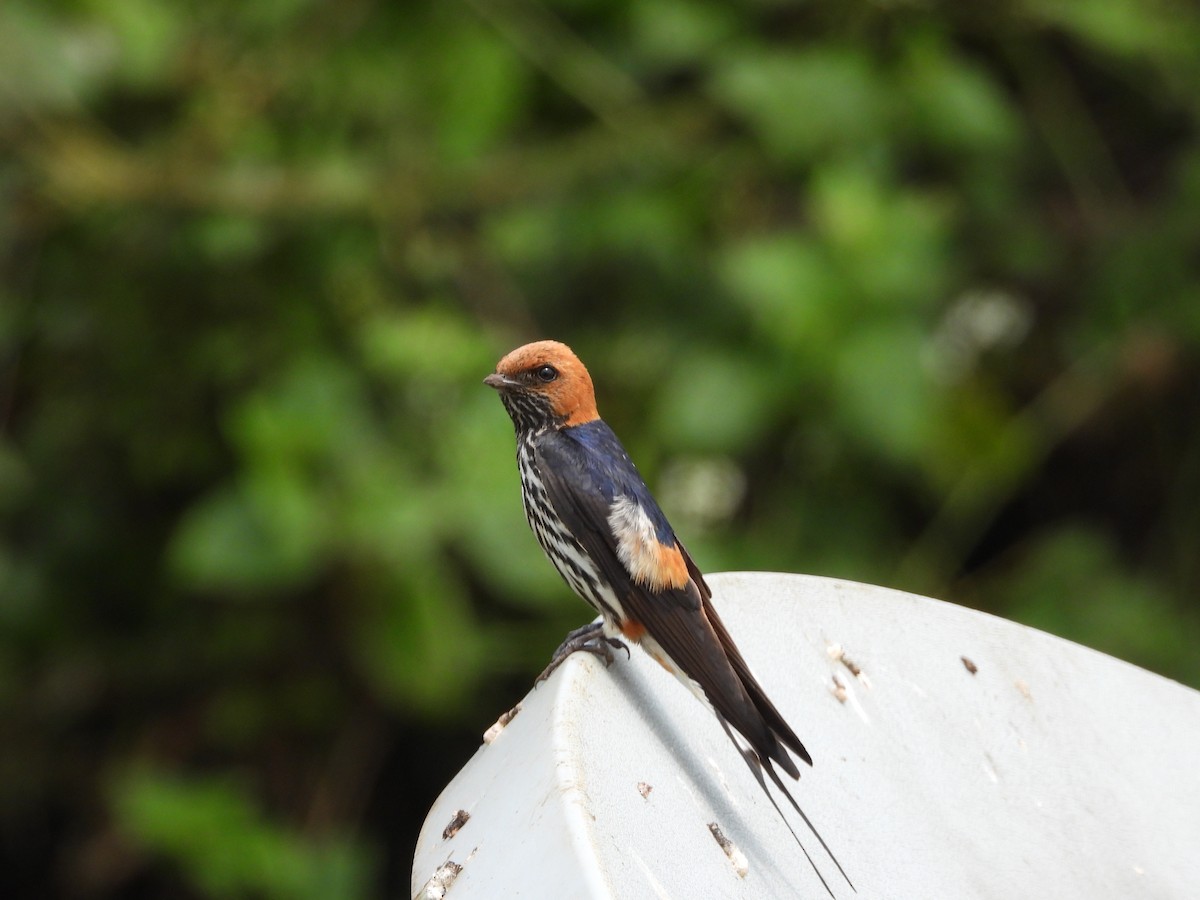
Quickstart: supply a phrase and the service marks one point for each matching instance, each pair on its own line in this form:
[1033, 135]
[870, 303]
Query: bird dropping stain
[457, 821]
[440, 882]
[837, 653]
[499, 725]
[740, 864]
[839, 689]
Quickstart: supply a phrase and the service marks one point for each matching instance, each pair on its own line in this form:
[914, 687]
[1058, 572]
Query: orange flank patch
[633, 630]
[654, 565]
[649, 562]
[672, 569]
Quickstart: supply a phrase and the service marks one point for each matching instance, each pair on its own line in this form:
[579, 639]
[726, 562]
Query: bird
[602, 529]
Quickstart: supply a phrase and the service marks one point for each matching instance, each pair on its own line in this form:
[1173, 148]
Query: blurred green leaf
[954, 102]
[789, 287]
[712, 403]
[229, 239]
[883, 395]
[800, 104]
[481, 85]
[428, 343]
[416, 641]
[889, 242]
[676, 32]
[1126, 27]
[263, 537]
[46, 63]
[227, 848]
[149, 36]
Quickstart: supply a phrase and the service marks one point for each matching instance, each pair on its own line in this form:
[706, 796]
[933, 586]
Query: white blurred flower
[702, 491]
[976, 322]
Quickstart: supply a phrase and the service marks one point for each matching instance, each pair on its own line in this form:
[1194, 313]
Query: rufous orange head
[544, 385]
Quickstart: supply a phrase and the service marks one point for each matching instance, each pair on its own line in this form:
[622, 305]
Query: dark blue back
[602, 466]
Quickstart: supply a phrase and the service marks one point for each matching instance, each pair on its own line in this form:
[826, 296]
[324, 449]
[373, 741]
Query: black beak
[500, 382]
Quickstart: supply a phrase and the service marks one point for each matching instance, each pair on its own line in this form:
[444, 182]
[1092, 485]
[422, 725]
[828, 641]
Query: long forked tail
[756, 766]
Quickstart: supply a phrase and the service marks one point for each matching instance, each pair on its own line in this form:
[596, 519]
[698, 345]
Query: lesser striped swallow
[601, 528]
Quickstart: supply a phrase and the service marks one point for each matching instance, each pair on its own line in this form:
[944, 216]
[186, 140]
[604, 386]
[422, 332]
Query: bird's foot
[591, 639]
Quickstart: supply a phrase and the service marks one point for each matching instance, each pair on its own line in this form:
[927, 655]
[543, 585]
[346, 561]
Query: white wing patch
[648, 562]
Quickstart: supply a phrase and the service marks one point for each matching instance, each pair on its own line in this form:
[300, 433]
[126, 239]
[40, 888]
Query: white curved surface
[1052, 771]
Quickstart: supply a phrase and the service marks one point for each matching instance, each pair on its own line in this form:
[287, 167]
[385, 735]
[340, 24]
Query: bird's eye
[546, 373]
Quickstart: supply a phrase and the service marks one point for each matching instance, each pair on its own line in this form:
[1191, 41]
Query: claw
[590, 639]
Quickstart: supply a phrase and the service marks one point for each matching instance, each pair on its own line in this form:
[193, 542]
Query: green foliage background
[906, 293]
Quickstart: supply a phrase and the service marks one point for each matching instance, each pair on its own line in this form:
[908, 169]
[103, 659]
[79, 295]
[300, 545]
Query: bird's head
[544, 385]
